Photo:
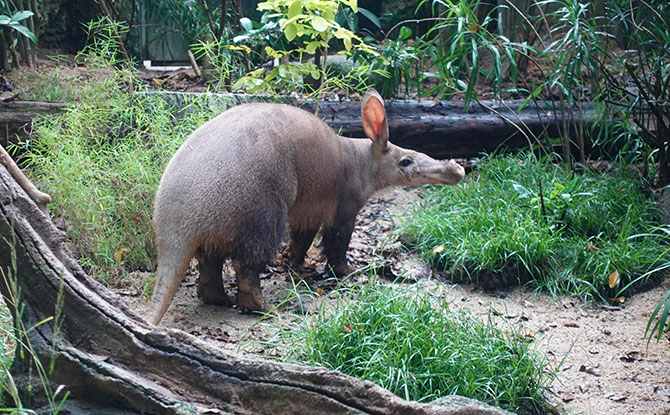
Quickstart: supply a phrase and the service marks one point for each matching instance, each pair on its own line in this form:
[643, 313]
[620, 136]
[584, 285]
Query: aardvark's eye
[405, 162]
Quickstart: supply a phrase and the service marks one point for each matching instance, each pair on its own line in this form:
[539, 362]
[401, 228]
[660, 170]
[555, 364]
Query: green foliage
[659, 321]
[14, 336]
[101, 161]
[398, 61]
[456, 44]
[313, 22]
[221, 57]
[188, 18]
[634, 88]
[312, 25]
[289, 76]
[104, 43]
[413, 345]
[13, 22]
[18, 33]
[458, 51]
[569, 52]
[7, 340]
[57, 84]
[528, 217]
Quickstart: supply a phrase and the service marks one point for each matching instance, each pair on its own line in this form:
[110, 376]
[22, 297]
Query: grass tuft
[568, 238]
[412, 344]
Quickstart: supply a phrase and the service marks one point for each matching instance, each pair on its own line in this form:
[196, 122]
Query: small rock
[461, 404]
[615, 397]
[591, 370]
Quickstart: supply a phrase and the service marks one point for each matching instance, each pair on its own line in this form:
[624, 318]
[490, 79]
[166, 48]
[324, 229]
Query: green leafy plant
[103, 48]
[398, 62]
[13, 331]
[456, 45]
[312, 24]
[527, 219]
[289, 76]
[56, 84]
[18, 24]
[659, 321]
[635, 90]
[412, 344]
[102, 159]
[220, 59]
[13, 22]
[315, 21]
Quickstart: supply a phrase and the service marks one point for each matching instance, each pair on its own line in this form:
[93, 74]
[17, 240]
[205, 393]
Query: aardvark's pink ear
[374, 118]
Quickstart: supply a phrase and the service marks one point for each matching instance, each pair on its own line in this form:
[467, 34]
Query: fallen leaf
[99, 357]
[439, 249]
[631, 357]
[58, 390]
[567, 396]
[616, 398]
[592, 247]
[591, 370]
[614, 279]
[619, 300]
[129, 293]
[137, 217]
[610, 308]
[120, 254]
[202, 410]
[585, 387]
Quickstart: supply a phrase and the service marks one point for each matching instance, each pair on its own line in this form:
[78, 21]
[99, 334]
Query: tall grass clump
[17, 349]
[419, 349]
[102, 159]
[589, 234]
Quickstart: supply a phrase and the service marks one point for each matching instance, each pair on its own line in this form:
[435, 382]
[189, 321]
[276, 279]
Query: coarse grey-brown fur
[235, 183]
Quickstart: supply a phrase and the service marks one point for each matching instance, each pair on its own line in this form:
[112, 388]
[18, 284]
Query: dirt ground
[604, 363]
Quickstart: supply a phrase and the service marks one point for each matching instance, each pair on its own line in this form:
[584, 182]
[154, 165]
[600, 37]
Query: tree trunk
[110, 359]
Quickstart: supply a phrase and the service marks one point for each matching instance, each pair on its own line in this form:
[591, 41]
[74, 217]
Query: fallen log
[445, 130]
[17, 116]
[441, 130]
[25, 111]
[112, 361]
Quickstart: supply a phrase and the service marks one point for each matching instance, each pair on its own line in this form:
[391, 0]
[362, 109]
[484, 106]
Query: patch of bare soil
[604, 363]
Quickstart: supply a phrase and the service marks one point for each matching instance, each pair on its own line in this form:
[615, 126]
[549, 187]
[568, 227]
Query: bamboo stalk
[32, 50]
[21, 40]
[23, 50]
[194, 64]
[4, 51]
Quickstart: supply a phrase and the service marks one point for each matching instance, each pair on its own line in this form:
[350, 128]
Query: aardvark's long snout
[432, 171]
[454, 172]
